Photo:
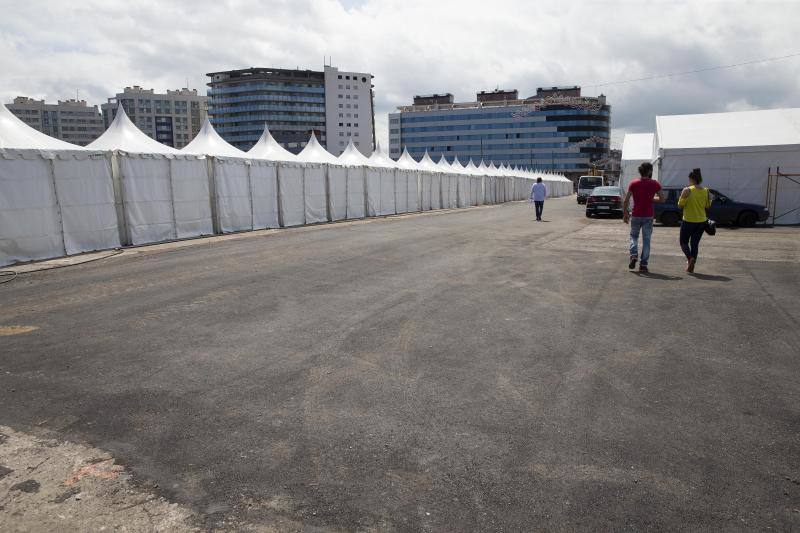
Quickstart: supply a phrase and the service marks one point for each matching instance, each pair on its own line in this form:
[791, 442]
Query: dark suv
[724, 210]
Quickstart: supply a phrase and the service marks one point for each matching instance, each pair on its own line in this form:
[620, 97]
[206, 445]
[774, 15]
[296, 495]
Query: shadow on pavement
[655, 275]
[710, 277]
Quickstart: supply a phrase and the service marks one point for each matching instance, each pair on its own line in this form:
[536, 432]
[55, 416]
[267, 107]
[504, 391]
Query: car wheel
[670, 218]
[588, 214]
[747, 219]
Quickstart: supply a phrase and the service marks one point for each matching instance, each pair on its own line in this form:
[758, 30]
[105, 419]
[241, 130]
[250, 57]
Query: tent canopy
[352, 156]
[379, 158]
[740, 129]
[638, 147]
[123, 135]
[268, 148]
[14, 133]
[314, 152]
[208, 142]
[406, 161]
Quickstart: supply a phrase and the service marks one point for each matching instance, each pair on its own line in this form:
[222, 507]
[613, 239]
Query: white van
[586, 185]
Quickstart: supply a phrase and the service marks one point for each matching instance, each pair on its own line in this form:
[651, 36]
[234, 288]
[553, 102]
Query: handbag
[710, 227]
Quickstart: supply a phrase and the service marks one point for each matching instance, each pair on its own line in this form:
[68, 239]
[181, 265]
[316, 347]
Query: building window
[340, 76]
[355, 106]
[341, 105]
[340, 96]
[355, 125]
[347, 97]
[364, 80]
[347, 77]
[355, 97]
[356, 134]
[348, 124]
[355, 115]
[348, 106]
[341, 124]
[357, 143]
[341, 114]
[340, 85]
[341, 134]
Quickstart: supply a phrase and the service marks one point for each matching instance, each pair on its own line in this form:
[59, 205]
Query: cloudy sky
[51, 49]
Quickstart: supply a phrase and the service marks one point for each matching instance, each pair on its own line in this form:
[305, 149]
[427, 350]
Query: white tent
[356, 168]
[164, 193]
[429, 170]
[289, 174]
[735, 152]
[637, 148]
[315, 157]
[406, 165]
[56, 198]
[381, 184]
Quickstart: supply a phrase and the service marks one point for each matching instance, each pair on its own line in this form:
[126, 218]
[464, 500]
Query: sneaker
[690, 264]
[643, 269]
[632, 264]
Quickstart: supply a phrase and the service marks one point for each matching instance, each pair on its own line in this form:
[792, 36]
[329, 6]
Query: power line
[696, 71]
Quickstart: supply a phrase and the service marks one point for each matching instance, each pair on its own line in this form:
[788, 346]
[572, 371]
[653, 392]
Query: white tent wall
[147, 197]
[234, 194]
[742, 175]
[292, 200]
[191, 198]
[29, 218]
[412, 190]
[264, 192]
[452, 191]
[373, 184]
[436, 190]
[315, 192]
[387, 192]
[337, 188]
[85, 195]
[400, 191]
[356, 192]
[426, 184]
[463, 190]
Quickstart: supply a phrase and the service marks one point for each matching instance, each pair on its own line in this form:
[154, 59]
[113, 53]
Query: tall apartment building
[72, 121]
[336, 106]
[173, 118]
[556, 129]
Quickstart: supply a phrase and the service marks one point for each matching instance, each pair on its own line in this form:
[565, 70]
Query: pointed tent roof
[208, 142]
[123, 135]
[426, 163]
[314, 152]
[407, 162]
[352, 156]
[268, 148]
[443, 165]
[456, 165]
[379, 158]
[471, 168]
[14, 133]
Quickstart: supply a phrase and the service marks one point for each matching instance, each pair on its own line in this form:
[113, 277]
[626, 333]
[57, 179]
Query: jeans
[539, 209]
[691, 232]
[645, 225]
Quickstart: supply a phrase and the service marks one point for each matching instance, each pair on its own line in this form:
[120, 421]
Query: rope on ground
[12, 274]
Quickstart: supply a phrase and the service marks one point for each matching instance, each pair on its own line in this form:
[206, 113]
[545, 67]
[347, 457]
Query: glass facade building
[554, 130]
[291, 102]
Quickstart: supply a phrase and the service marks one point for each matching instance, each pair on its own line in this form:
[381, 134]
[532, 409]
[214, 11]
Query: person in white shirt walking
[538, 195]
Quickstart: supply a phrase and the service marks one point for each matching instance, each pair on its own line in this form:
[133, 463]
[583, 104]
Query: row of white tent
[125, 188]
[736, 152]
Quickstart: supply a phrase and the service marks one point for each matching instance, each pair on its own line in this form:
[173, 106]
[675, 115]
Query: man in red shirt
[645, 191]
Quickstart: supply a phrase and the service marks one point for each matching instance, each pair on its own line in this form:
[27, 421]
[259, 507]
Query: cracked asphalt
[470, 370]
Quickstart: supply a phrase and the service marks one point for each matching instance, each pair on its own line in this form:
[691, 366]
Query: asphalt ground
[470, 370]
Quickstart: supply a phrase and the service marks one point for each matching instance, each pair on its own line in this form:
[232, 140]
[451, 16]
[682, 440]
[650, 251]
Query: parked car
[586, 185]
[724, 210]
[605, 201]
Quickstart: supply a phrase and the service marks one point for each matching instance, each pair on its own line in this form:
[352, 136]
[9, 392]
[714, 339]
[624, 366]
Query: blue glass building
[292, 102]
[557, 129]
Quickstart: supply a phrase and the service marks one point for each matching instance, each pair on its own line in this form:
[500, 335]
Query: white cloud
[48, 49]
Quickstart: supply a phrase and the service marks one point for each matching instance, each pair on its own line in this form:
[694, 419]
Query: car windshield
[607, 191]
[590, 182]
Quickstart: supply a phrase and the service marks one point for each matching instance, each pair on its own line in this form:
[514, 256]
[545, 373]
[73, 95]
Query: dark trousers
[539, 209]
[691, 232]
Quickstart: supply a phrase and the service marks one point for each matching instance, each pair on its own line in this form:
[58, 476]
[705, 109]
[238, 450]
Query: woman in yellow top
[694, 200]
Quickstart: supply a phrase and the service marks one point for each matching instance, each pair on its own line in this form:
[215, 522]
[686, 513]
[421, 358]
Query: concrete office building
[556, 129]
[333, 104]
[173, 118]
[72, 121]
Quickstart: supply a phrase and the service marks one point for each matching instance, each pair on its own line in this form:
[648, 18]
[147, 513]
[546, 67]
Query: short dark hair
[538, 180]
[646, 169]
[696, 175]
